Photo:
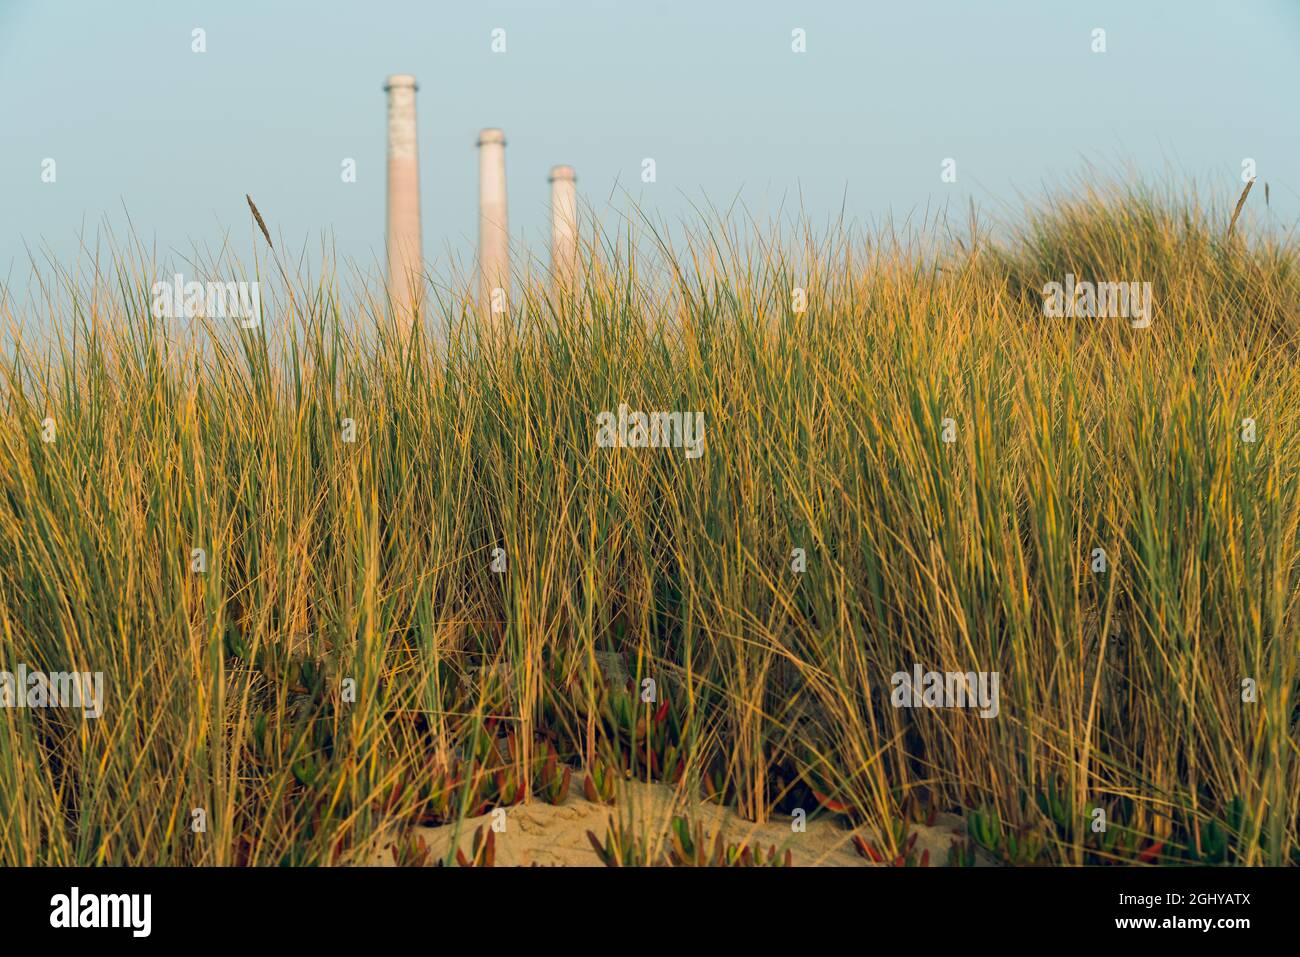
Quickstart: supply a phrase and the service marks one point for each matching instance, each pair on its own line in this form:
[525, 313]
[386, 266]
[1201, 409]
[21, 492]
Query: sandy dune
[556, 835]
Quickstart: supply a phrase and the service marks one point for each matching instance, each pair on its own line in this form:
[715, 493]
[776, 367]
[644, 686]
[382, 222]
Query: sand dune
[556, 835]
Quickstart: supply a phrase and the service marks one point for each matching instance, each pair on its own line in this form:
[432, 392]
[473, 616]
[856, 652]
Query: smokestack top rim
[562, 172]
[491, 135]
[400, 80]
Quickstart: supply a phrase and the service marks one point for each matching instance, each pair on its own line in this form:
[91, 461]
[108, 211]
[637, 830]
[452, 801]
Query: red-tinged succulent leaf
[589, 790]
[564, 785]
[662, 712]
[925, 858]
[832, 805]
[866, 849]
[1150, 854]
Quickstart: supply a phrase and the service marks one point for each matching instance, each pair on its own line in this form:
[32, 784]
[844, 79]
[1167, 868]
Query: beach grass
[918, 468]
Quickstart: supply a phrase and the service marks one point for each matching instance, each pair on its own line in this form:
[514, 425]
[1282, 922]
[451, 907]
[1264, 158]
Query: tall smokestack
[405, 260]
[493, 225]
[564, 226]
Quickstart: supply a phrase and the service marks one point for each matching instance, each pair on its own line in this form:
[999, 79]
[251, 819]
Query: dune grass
[351, 661]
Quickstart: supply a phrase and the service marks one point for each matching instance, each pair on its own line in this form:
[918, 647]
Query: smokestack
[405, 260]
[564, 226]
[493, 226]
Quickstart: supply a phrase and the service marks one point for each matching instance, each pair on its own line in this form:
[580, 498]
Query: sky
[149, 136]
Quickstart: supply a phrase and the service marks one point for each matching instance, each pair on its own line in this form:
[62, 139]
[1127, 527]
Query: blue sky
[139, 124]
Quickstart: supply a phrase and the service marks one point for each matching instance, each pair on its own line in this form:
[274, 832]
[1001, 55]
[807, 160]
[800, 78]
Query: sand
[556, 835]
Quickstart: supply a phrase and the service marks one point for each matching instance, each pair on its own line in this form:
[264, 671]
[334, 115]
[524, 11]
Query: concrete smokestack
[564, 226]
[405, 259]
[493, 225]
